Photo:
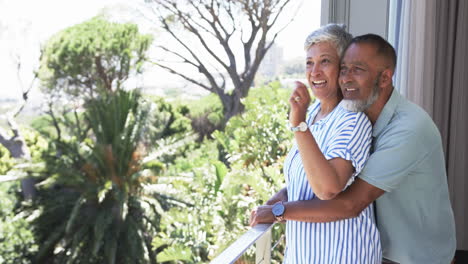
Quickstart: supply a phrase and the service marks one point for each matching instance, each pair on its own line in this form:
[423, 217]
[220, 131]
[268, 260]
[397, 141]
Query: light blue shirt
[345, 135]
[414, 216]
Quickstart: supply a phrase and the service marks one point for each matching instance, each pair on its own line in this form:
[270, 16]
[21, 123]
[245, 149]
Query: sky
[26, 24]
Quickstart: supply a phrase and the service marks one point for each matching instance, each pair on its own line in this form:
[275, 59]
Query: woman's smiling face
[322, 69]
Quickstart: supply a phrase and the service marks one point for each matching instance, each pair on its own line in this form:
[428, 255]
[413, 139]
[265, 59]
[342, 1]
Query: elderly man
[405, 174]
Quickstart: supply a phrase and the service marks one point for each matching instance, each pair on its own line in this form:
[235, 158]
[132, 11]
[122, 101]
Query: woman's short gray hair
[334, 33]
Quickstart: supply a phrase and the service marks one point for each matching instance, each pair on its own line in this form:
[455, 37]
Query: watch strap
[301, 127]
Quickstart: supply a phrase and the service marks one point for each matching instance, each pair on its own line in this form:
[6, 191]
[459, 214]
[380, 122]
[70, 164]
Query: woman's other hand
[281, 196]
[261, 215]
[299, 101]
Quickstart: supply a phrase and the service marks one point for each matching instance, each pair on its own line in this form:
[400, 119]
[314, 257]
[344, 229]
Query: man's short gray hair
[334, 33]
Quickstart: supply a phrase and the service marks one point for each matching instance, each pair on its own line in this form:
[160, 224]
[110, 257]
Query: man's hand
[262, 215]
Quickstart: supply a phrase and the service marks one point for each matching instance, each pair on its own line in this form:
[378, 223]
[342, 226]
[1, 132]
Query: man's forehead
[355, 62]
[359, 54]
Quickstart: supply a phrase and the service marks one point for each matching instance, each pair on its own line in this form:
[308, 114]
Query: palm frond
[109, 212]
[49, 244]
[74, 214]
[102, 225]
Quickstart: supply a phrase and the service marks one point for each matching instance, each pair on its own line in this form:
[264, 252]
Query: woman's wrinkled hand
[299, 101]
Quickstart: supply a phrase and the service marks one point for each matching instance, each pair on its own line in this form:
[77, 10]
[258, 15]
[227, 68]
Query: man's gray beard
[362, 105]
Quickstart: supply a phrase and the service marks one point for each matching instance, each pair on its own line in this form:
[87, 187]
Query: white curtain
[432, 71]
[412, 33]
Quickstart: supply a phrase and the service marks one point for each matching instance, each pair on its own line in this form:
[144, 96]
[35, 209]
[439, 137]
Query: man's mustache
[348, 85]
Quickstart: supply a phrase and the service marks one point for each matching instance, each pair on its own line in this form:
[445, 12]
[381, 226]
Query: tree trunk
[16, 144]
[18, 149]
[232, 106]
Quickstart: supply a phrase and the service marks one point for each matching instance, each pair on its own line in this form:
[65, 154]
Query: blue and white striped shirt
[346, 135]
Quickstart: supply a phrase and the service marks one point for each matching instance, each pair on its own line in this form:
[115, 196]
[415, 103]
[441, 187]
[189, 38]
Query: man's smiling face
[359, 77]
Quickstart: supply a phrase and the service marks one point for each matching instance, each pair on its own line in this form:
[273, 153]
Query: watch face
[302, 126]
[278, 209]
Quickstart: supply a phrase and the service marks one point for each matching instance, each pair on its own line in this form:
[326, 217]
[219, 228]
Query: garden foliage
[95, 206]
[221, 195]
[127, 178]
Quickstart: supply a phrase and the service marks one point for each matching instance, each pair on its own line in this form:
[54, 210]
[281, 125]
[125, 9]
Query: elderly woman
[332, 145]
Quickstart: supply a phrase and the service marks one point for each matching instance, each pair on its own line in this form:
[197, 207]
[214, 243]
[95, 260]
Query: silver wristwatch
[301, 127]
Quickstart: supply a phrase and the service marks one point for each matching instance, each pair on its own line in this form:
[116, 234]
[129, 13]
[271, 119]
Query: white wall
[360, 16]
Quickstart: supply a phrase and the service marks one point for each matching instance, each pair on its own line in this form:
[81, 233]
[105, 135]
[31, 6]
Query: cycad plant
[94, 208]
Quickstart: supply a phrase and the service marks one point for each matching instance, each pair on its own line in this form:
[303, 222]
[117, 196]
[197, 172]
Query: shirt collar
[324, 120]
[387, 113]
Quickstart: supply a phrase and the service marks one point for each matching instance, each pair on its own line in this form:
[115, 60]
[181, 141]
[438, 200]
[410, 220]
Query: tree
[16, 143]
[13, 140]
[92, 57]
[96, 207]
[95, 203]
[84, 61]
[212, 31]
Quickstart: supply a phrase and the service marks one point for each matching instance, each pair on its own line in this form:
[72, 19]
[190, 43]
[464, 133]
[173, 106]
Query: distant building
[271, 63]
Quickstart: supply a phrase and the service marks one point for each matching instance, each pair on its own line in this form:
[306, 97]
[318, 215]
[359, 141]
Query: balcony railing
[261, 234]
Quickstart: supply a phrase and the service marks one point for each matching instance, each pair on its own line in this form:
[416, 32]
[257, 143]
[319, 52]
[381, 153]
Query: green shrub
[6, 162]
[206, 115]
[17, 244]
[173, 118]
[95, 206]
[219, 197]
[259, 136]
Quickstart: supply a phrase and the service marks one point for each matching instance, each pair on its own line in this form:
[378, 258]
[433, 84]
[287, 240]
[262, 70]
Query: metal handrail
[261, 234]
[6, 178]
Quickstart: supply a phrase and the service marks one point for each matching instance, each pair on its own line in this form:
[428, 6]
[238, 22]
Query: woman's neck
[326, 107]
